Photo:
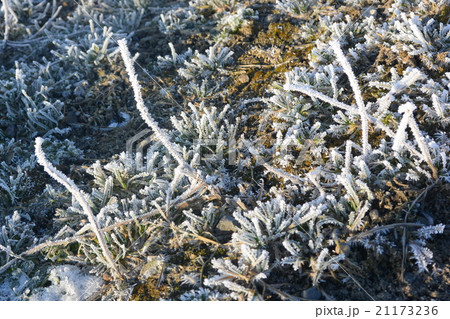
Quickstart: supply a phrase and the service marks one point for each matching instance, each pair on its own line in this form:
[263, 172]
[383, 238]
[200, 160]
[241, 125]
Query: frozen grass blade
[146, 116]
[399, 141]
[80, 197]
[7, 22]
[358, 96]
[400, 136]
[313, 93]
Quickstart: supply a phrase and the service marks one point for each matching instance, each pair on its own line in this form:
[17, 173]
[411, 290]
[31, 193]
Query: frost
[68, 283]
[295, 7]
[269, 157]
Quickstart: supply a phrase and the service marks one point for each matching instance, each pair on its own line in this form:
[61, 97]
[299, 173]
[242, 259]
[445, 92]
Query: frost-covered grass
[236, 195]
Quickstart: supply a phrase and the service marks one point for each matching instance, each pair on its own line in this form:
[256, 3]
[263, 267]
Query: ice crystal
[68, 284]
[243, 179]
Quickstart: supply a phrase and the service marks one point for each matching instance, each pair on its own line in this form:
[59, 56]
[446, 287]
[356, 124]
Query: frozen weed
[234, 195]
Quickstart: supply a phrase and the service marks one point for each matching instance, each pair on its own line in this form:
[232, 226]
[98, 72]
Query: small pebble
[243, 78]
[227, 224]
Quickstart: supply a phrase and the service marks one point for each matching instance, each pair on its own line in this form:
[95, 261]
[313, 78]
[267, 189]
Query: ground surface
[263, 51]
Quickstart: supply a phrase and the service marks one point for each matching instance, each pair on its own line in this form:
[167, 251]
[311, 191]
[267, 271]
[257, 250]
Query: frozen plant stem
[421, 141]
[5, 10]
[358, 96]
[400, 136]
[348, 156]
[405, 82]
[280, 173]
[162, 137]
[76, 192]
[313, 93]
[53, 17]
[305, 89]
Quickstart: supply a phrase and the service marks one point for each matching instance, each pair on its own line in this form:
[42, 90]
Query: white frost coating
[146, 116]
[12, 289]
[400, 137]
[69, 283]
[358, 96]
[80, 197]
[162, 137]
[422, 146]
[7, 21]
[408, 80]
[437, 106]
[313, 93]
[412, 77]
